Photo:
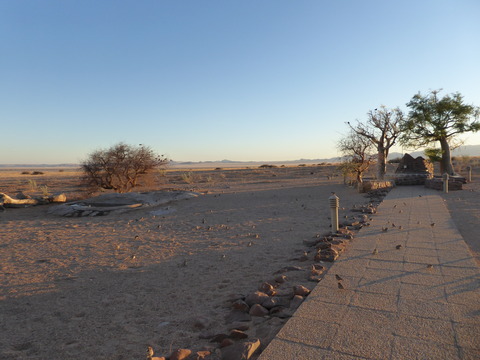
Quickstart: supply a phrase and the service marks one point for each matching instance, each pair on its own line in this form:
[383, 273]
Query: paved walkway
[421, 301]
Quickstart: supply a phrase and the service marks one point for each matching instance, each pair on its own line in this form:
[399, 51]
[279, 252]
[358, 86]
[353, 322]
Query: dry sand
[106, 287]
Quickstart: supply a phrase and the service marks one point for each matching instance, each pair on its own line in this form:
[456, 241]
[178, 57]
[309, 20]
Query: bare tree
[120, 167]
[357, 154]
[382, 129]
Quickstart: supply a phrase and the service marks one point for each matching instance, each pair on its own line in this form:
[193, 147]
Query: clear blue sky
[227, 79]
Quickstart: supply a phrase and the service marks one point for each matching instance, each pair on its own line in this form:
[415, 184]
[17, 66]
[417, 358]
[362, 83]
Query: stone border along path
[410, 292]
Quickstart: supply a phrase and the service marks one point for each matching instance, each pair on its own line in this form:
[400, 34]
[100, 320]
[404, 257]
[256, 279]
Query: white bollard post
[334, 203]
[445, 183]
[469, 173]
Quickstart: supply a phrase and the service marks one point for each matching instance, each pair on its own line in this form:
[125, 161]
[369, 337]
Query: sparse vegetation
[382, 129]
[32, 184]
[190, 177]
[120, 167]
[358, 155]
[44, 190]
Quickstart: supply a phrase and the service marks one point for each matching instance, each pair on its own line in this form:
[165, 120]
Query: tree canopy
[434, 119]
[120, 166]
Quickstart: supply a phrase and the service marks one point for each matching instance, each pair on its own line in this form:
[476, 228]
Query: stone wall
[412, 171]
[411, 179]
[437, 184]
[369, 185]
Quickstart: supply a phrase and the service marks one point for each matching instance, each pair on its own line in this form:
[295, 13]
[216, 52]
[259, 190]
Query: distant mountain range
[466, 150]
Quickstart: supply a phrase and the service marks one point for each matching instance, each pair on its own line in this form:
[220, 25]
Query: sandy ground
[106, 287]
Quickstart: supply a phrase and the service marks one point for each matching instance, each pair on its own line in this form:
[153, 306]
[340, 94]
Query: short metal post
[334, 203]
[445, 183]
[469, 173]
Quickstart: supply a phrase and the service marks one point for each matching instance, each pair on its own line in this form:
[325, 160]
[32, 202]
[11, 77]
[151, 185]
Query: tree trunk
[446, 162]
[7, 201]
[381, 163]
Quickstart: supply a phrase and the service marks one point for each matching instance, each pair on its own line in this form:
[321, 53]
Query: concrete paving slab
[418, 301]
[408, 348]
[313, 333]
[279, 347]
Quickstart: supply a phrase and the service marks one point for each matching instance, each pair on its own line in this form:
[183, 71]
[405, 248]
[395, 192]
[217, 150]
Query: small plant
[32, 184]
[37, 173]
[189, 177]
[44, 190]
[25, 172]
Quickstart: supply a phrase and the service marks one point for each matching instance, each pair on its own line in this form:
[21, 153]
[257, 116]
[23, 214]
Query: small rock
[288, 293]
[277, 309]
[280, 279]
[275, 301]
[329, 255]
[257, 297]
[203, 354]
[300, 290]
[59, 198]
[237, 315]
[324, 245]
[219, 338]
[240, 351]
[237, 335]
[317, 269]
[266, 332]
[296, 302]
[180, 354]
[241, 306]
[289, 268]
[226, 342]
[266, 288]
[258, 310]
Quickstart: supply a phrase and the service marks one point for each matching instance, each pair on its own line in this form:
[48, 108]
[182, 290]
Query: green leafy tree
[382, 129]
[120, 167]
[434, 119]
[434, 155]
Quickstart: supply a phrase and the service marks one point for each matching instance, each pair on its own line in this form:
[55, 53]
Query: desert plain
[106, 287]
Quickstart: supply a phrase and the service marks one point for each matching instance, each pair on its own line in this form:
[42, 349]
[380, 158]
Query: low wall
[411, 179]
[437, 184]
[369, 185]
